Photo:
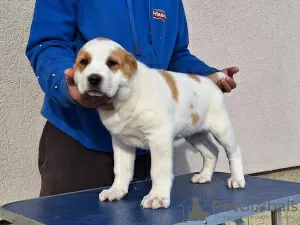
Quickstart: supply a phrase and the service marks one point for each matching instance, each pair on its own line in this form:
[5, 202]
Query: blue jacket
[155, 31]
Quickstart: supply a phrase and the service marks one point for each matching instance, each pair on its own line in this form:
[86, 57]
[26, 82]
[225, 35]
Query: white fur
[147, 116]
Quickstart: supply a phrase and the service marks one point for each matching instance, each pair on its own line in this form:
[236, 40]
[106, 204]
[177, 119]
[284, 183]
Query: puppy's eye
[84, 62]
[111, 63]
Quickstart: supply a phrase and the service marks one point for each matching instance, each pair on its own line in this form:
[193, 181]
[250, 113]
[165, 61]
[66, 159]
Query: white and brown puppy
[152, 108]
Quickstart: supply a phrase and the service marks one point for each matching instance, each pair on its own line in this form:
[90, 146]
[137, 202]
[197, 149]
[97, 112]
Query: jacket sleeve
[182, 60]
[51, 47]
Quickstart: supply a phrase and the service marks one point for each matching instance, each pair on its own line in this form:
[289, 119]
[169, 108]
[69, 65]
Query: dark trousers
[67, 166]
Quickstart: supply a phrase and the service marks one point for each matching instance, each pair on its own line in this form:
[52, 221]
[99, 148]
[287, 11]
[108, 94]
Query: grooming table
[210, 204]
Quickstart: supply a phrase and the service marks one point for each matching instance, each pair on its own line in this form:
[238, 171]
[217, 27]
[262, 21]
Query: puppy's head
[103, 67]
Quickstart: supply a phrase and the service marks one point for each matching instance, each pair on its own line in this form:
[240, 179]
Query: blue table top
[212, 202]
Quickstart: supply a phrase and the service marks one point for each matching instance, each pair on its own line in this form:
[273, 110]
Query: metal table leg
[276, 217]
[239, 222]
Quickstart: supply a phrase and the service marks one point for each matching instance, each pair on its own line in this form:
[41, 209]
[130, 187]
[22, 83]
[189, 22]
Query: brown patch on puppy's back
[171, 82]
[82, 56]
[195, 118]
[195, 77]
[125, 62]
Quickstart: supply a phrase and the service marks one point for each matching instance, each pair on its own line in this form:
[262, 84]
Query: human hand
[85, 99]
[227, 84]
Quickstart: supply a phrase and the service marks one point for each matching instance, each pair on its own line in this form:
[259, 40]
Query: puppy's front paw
[155, 202]
[234, 182]
[201, 178]
[156, 199]
[111, 194]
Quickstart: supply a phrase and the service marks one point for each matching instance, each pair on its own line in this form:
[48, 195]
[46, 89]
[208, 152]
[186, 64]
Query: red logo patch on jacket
[159, 14]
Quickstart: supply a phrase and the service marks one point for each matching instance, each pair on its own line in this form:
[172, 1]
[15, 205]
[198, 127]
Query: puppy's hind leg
[204, 143]
[220, 125]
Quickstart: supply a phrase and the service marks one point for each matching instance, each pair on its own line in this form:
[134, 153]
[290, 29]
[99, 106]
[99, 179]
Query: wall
[20, 102]
[262, 38]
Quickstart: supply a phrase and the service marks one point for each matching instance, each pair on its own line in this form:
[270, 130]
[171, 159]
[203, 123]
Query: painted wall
[263, 39]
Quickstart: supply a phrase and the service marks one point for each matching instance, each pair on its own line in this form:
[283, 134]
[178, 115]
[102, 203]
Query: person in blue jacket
[75, 151]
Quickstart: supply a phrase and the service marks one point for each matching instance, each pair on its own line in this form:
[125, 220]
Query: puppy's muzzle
[94, 80]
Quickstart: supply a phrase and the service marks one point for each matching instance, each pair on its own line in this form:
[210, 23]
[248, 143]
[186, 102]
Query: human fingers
[232, 70]
[231, 82]
[69, 73]
[225, 86]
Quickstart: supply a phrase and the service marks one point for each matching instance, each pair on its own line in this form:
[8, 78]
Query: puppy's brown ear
[129, 65]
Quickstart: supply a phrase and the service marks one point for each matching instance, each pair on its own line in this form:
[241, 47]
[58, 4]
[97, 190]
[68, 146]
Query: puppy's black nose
[94, 80]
